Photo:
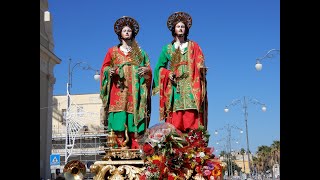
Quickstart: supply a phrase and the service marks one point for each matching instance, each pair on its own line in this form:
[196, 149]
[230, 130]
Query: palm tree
[264, 156]
[222, 153]
[260, 165]
[242, 152]
[275, 151]
[267, 156]
[256, 163]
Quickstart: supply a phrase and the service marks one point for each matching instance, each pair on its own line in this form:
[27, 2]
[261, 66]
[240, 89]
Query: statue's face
[180, 29]
[126, 33]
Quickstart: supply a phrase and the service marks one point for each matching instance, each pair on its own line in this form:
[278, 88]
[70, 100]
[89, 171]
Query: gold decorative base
[117, 170]
[119, 163]
[122, 153]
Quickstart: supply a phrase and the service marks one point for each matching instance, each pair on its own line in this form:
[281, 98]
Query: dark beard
[180, 35]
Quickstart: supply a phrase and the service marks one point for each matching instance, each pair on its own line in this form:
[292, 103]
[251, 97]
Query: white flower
[199, 177]
[201, 154]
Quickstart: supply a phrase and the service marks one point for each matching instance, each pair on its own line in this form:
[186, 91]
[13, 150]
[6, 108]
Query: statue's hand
[143, 71]
[112, 71]
[204, 70]
[172, 77]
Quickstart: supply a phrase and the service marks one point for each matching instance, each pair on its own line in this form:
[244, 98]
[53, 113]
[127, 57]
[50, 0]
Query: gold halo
[177, 17]
[126, 21]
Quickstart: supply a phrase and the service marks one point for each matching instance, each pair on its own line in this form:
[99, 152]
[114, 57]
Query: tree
[257, 163]
[275, 152]
[267, 156]
[231, 166]
[242, 152]
[264, 156]
[223, 153]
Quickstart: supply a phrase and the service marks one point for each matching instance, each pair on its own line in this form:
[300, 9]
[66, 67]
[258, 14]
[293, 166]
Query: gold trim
[115, 169]
[177, 17]
[120, 162]
[122, 153]
[126, 21]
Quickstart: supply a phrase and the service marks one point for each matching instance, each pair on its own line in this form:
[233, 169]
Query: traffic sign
[55, 160]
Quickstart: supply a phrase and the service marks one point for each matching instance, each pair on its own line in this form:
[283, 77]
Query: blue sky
[232, 35]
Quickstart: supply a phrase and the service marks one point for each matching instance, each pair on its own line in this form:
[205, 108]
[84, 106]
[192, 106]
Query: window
[64, 116]
[80, 111]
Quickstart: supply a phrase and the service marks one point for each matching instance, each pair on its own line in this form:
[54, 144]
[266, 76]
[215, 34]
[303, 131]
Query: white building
[47, 62]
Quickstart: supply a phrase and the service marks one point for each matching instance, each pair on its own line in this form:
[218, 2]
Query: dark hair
[132, 37]
[186, 32]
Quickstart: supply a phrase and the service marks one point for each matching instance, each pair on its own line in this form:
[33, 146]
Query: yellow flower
[154, 157]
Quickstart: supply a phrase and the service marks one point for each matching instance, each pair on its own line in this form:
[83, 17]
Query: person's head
[126, 33]
[126, 28]
[180, 30]
[179, 24]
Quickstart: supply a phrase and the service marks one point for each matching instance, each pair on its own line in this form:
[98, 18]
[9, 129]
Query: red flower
[198, 159]
[198, 169]
[173, 162]
[170, 177]
[209, 150]
[143, 177]
[157, 162]
[147, 149]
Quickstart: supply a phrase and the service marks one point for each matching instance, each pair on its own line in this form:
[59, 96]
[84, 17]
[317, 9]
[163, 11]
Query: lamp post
[228, 144]
[69, 129]
[244, 102]
[269, 54]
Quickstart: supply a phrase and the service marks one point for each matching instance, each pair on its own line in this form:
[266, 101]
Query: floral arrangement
[172, 155]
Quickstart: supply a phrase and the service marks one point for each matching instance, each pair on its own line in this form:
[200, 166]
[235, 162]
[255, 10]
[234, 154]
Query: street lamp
[70, 129]
[269, 54]
[228, 144]
[244, 102]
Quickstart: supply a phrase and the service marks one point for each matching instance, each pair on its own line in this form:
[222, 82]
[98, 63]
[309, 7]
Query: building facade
[240, 160]
[86, 108]
[87, 131]
[47, 80]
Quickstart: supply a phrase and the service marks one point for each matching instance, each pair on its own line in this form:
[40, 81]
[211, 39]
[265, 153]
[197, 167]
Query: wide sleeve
[162, 84]
[198, 60]
[148, 82]
[146, 63]
[200, 67]
[201, 71]
[160, 66]
[105, 78]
